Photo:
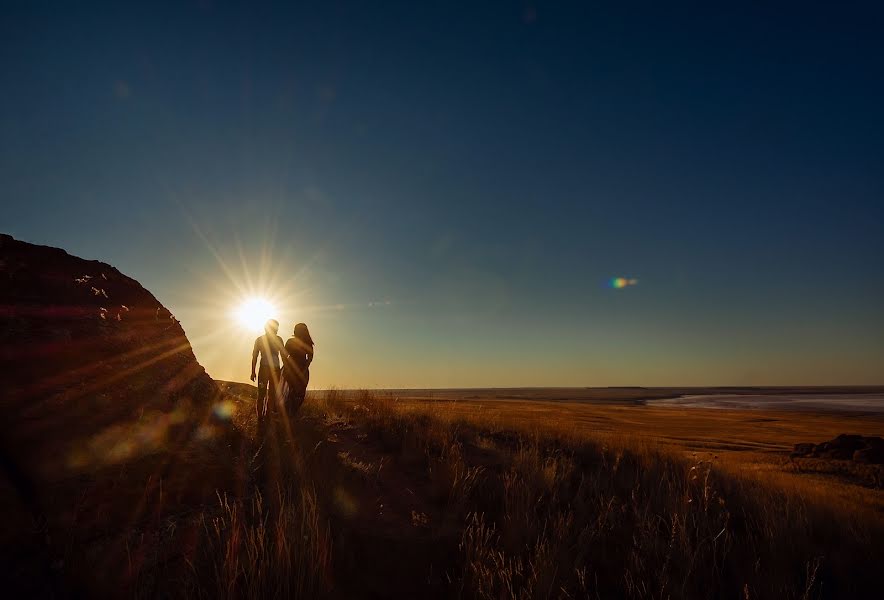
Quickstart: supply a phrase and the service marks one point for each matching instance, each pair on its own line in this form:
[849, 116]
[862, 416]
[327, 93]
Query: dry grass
[253, 550]
[369, 495]
[563, 514]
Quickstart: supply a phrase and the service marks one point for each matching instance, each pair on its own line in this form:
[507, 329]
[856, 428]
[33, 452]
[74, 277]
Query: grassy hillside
[367, 496]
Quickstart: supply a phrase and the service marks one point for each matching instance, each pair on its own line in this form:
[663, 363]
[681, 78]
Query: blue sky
[442, 191]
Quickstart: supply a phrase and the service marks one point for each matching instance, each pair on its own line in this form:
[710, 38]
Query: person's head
[271, 326]
[303, 334]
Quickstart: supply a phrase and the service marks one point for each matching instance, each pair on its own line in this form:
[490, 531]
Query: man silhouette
[269, 347]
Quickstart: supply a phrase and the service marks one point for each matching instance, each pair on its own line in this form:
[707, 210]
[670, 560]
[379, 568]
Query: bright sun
[254, 312]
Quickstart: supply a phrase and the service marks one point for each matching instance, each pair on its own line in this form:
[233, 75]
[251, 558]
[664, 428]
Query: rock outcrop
[857, 448]
[106, 417]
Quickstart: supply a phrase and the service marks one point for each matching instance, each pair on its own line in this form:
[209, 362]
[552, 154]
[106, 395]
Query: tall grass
[253, 549]
[557, 515]
[521, 510]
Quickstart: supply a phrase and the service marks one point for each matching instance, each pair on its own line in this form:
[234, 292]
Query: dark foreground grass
[510, 513]
[259, 549]
[552, 515]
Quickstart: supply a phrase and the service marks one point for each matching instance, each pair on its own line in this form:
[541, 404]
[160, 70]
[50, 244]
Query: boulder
[802, 450]
[106, 417]
[872, 454]
[858, 448]
[841, 448]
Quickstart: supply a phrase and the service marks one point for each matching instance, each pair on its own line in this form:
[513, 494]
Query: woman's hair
[303, 334]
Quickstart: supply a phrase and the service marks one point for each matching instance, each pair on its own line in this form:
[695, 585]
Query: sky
[443, 191]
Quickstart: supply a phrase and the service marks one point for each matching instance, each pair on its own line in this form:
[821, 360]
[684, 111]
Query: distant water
[867, 403]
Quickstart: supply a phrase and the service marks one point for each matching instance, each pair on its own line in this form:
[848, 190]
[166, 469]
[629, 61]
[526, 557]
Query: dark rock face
[861, 449]
[873, 454]
[83, 346]
[103, 402]
[805, 449]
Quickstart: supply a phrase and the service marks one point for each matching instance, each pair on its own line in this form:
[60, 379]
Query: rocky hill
[107, 420]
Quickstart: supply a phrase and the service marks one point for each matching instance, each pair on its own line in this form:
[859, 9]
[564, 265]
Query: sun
[254, 312]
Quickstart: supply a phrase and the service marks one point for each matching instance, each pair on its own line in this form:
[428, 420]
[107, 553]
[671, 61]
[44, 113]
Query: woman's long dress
[295, 375]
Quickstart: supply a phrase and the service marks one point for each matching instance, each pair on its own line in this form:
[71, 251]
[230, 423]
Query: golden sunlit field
[430, 496]
[751, 441]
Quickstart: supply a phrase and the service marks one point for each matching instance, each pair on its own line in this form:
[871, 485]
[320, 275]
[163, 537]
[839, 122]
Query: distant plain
[751, 430]
[769, 420]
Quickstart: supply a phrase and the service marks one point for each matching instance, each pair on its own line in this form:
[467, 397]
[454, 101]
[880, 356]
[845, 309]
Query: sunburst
[253, 312]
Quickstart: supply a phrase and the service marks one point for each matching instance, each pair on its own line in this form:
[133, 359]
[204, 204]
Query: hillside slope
[106, 416]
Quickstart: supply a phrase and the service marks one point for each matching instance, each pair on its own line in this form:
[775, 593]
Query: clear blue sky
[442, 191]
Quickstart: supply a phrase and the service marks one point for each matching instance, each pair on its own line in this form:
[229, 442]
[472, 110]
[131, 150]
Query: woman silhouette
[296, 369]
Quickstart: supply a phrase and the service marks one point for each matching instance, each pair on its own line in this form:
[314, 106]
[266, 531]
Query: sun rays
[245, 276]
[253, 312]
[253, 280]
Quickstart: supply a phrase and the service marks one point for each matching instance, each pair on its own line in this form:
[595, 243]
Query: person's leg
[273, 384]
[297, 399]
[300, 392]
[296, 393]
[261, 406]
[273, 401]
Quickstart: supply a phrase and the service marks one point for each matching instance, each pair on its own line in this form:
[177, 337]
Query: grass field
[748, 440]
[398, 496]
[466, 494]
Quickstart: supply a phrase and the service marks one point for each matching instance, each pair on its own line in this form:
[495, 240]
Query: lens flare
[618, 283]
[224, 410]
[254, 312]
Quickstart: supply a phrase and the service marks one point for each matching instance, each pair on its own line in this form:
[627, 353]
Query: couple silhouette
[283, 372]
